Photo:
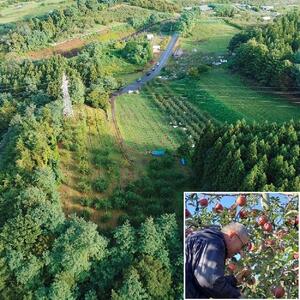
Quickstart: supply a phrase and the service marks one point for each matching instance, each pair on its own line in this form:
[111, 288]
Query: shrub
[83, 187]
[100, 185]
[106, 217]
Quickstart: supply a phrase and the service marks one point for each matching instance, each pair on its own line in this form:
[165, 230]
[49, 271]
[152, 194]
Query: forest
[254, 157]
[270, 54]
[45, 255]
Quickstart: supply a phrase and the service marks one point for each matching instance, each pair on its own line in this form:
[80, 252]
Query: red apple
[278, 292]
[296, 255]
[270, 242]
[262, 220]
[203, 202]
[268, 227]
[281, 233]
[243, 214]
[232, 267]
[187, 213]
[219, 208]
[241, 200]
[297, 220]
[251, 247]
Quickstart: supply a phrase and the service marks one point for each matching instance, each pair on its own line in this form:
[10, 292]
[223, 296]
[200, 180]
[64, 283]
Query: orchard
[270, 263]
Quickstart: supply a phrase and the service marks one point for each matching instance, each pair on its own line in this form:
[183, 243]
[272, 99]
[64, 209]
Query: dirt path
[119, 137]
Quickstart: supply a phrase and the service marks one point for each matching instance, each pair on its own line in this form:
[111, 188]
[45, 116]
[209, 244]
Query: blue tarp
[183, 161]
[158, 152]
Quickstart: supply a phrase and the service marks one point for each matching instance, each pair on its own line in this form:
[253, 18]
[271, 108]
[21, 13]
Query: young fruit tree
[268, 267]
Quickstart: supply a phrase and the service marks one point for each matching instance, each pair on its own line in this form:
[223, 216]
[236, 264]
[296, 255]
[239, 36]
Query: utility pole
[67, 110]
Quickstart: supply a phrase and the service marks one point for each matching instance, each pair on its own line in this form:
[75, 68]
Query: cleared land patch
[92, 165]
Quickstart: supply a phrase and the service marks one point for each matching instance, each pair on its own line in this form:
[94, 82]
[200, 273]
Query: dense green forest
[270, 54]
[43, 254]
[248, 157]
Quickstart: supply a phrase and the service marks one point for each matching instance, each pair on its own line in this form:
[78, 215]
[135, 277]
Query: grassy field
[99, 157]
[22, 10]
[143, 126]
[227, 97]
[223, 95]
[209, 35]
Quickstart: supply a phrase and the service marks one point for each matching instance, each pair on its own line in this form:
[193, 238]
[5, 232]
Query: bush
[122, 219]
[102, 204]
[106, 217]
[83, 187]
[100, 185]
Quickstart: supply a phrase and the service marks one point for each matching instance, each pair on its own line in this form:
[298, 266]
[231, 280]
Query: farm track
[118, 134]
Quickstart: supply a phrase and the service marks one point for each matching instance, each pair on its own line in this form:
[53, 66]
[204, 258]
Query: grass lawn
[209, 35]
[226, 97]
[19, 11]
[143, 126]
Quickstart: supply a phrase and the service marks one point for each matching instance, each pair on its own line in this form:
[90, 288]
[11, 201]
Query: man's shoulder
[210, 234]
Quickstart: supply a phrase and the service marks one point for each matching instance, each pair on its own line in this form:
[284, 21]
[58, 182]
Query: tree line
[248, 157]
[90, 74]
[38, 32]
[270, 54]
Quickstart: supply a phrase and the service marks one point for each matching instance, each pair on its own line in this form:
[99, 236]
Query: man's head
[236, 237]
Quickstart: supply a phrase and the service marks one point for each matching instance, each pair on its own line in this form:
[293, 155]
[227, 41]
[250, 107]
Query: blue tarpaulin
[160, 152]
[183, 161]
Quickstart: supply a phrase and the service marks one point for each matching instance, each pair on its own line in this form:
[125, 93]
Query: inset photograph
[241, 245]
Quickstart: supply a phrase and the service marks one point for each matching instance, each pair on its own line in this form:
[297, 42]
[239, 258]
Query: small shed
[150, 36]
[266, 18]
[267, 7]
[158, 152]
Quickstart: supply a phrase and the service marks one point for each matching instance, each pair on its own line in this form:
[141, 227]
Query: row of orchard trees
[270, 54]
[44, 255]
[248, 157]
[271, 260]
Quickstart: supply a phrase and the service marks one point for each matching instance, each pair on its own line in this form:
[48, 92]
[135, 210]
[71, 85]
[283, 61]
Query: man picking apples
[206, 252]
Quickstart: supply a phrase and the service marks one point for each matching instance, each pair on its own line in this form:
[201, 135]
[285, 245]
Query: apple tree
[269, 266]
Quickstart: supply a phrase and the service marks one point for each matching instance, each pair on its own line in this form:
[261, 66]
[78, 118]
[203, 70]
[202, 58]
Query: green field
[227, 97]
[143, 126]
[223, 95]
[209, 35]
[19, 11]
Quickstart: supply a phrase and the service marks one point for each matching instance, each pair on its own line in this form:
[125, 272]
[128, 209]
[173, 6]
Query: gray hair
[239, 228]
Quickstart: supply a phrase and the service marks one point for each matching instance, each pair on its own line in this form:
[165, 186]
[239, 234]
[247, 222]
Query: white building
[205, 7]
[156, 48]
[267, 7]
[150, 36]
[266, 18]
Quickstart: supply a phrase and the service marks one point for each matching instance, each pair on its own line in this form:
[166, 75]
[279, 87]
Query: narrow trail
[118, 134]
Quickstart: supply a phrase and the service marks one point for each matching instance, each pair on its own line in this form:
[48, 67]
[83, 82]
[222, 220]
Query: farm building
[267, 7]
[205, 7]
[150, 36]
[266, 18]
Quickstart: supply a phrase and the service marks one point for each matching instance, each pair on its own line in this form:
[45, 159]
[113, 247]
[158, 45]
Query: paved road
[162, 61]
